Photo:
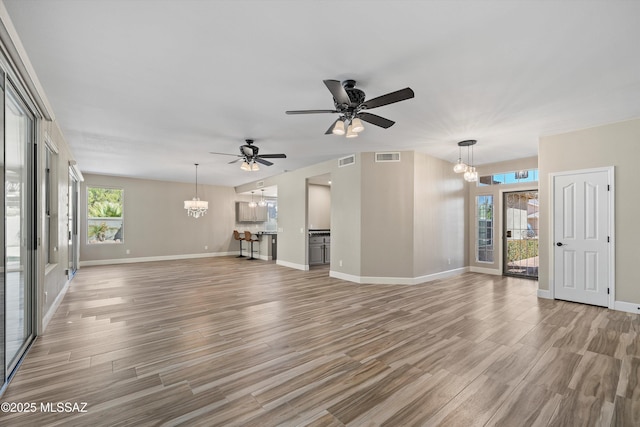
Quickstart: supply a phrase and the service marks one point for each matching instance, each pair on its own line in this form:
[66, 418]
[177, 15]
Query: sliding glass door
[18, 227]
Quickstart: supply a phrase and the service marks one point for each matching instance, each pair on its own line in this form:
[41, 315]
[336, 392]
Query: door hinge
[608, 239]
[607, 291]
[608, 187]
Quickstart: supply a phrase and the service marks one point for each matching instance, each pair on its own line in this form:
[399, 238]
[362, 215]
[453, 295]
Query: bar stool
[249, 238]
[236, 236]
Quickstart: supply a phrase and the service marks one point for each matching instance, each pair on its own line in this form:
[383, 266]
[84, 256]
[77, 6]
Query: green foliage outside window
[104, 208]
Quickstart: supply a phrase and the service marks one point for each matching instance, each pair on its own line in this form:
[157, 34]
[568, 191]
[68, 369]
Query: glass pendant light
[196, 207]
[262, 203]
[252, 204]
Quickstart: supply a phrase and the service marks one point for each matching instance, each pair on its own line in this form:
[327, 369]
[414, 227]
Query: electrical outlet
[128, 251]
[340, 263]
[449, 260]
[206, 247]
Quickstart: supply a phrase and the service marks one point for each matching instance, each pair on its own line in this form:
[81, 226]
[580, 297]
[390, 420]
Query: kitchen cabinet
[245, 213]
[319, 249]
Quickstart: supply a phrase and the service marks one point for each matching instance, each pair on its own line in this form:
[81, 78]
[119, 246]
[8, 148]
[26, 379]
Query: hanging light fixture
[245, 166]
[196, 207]
[254, 166]
[262, 203]
[470, 173]
[460, 167]
[252, 204]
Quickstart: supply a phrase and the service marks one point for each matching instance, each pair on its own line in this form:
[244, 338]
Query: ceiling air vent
[259, 184]
[347, 161]
[388, 157]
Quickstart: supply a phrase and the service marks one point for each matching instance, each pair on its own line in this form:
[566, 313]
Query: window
[104, 214]
[484, 225]
[516, 177]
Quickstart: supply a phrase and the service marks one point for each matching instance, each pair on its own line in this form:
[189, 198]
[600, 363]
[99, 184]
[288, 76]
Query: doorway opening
[520, 249]
[319, 221]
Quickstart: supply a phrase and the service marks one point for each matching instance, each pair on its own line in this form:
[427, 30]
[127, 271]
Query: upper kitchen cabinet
[246, 213]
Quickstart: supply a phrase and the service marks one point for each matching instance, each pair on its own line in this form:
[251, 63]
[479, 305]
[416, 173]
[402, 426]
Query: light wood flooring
[224, 341]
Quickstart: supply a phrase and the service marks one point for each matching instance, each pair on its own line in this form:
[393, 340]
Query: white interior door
[581, 237]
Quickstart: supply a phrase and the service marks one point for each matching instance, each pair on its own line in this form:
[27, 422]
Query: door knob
[559, 244]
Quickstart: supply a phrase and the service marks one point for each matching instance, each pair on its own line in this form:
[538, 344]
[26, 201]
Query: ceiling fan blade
[234, 161]
[309, 111]
[264, 162]
[223, 154]
[390, 98]
[338, 92]
[376, 120]
[273, 156]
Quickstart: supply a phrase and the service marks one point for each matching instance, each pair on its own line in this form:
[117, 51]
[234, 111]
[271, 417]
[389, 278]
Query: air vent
[388, 157]
[259, 184]
[347, 161]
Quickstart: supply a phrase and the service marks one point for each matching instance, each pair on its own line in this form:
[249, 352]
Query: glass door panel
[521, 234]
[18, 207]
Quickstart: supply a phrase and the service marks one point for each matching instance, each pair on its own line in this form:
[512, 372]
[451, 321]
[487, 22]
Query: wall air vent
[388, 157]
[259, 184]
[347, 161]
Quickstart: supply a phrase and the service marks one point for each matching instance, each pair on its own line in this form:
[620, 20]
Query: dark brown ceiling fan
[351, 105]
[249, 155]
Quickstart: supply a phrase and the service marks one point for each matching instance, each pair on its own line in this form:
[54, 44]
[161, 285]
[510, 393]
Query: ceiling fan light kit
[350, 104]
[250, 157]
[338, 127]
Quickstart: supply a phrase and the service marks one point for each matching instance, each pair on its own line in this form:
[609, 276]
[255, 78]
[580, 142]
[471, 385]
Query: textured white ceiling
[146, 88]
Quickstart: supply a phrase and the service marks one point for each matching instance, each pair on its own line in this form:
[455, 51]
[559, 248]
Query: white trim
[544, 293]
[373, 280]
[344, 276]
[610, 170]
[483, 270]
[626, 306]
[54, 306]
[153, 258]
[20, 62]
[292, 265]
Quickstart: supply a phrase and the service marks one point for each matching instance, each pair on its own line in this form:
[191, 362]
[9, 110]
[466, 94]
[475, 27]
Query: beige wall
[440, 225]
[617, 145]
[53, 277]
[388, 220]
[497, 192]
[319, 209]
[156, 224]
[387, 216]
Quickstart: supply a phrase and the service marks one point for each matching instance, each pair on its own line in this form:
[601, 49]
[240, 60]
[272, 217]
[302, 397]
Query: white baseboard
[344, 276]
[154, 258]
[484, 270]
[626, 306]
[56, 303]
[292, 265]
[544, 293]
[372, 280]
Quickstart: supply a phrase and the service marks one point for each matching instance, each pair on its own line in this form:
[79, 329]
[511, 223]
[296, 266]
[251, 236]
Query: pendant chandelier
[196, 207]
[262, 203]
[252, 204]
[470, 173]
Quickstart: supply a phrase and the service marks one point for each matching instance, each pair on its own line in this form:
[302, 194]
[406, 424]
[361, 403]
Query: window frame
[113, 220]
[489, 224]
